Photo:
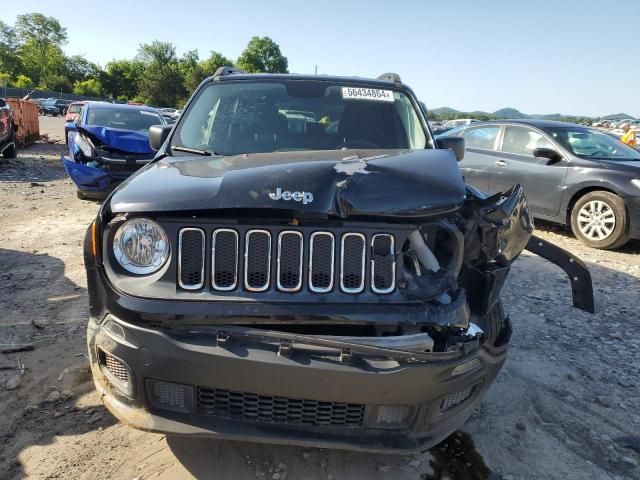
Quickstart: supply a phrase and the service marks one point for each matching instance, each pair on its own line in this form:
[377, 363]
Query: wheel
[599, 219]
[494, 326]
[12, 151]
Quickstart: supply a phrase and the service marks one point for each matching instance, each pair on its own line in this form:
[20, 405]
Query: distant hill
[447, 113]
[618, 116]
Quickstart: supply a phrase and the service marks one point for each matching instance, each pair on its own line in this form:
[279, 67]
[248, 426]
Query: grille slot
[383, 263]
[191, 258]
[352, 262]
[224, 259]
[290, 254]
[279, 410]
[321, 262]
[257, 260]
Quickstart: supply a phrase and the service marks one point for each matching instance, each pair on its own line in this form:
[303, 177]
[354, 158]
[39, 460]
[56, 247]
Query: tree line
[31, 57]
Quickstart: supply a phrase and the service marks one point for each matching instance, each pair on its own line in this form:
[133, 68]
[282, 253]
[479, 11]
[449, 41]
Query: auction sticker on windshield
[367, 94]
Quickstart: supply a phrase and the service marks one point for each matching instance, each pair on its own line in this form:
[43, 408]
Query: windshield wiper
[192, 150]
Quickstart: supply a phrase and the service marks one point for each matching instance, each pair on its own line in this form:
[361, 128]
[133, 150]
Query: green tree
[161, 82]
[157, 53]
[121, 78]
[41, 40]
[90, 87]
[79, 68]
[55, 83]
[262, 55]
[9, 59]
[22, 81]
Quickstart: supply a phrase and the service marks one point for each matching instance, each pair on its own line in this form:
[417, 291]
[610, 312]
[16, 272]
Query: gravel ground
[561, 408]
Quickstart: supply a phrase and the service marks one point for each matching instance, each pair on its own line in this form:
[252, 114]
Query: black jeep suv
[302, 263]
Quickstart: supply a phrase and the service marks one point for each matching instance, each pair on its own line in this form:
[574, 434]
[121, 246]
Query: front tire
[599, 219]
[12, 151]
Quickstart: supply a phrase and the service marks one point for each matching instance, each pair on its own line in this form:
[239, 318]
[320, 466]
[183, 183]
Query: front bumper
[96, 182]
[254, 370]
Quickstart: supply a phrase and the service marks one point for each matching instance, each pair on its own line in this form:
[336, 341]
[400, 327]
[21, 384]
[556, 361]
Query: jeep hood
[343, 183]
[127, 141]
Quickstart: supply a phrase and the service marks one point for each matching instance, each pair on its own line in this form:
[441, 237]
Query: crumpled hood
[336, 183]
[125, 140]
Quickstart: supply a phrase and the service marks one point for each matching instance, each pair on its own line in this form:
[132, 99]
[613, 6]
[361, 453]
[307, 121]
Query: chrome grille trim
[333, 258]
[393, 265]
[184, 285]
[213, 260]
[360, 288]
[247, 241]
[278, 283]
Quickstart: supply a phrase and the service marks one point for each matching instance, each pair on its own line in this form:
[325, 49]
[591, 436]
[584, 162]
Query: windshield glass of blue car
[234, 117]
[123, 119]
[587, 143]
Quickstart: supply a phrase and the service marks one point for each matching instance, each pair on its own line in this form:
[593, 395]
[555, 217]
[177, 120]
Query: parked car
[107, 143]
[7, 131]
[332, 288]
[73, 110]
[48, 107]
[571, 174]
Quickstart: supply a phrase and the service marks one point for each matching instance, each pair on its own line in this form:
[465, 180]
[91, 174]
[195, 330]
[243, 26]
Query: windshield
[123, 118]
[230, 118]
[588, 143]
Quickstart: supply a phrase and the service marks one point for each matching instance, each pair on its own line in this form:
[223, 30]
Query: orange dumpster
[25, 114]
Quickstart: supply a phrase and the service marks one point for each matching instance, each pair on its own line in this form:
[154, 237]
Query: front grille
[287, 260]
[279, 410]
[455, 399]
[191, 261]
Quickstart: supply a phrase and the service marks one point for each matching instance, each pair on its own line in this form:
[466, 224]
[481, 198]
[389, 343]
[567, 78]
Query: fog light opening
[466, 367]
[454, 399]
[116, 371]
[392, 414]
[170, 396]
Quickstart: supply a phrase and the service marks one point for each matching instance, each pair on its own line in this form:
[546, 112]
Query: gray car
[571, 174]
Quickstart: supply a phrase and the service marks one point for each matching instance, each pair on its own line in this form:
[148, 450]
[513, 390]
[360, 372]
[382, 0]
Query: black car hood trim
[398, 183]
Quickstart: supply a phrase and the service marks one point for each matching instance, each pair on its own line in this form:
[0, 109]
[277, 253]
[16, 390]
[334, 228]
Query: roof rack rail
[223, 71]
[390, 77]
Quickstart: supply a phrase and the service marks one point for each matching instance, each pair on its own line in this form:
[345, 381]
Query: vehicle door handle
[501, 163]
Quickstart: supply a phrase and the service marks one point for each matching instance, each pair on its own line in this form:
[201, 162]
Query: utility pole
[316, 69]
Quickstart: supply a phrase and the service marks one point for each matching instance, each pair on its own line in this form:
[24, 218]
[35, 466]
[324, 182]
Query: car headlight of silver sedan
[141, 246]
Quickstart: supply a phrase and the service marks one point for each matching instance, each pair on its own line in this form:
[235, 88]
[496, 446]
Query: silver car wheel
[596, 220]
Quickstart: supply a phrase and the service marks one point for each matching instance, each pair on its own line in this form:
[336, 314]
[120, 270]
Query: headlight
[85, 145]
[141, 246]
[636, 182]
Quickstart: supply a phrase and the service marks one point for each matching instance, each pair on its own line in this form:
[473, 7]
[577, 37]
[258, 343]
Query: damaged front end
[368, 318]
[100, 158]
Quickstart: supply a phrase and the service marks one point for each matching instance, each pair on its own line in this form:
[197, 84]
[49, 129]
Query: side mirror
[71, 126]
[549, 155]
[453, 143]
[158, 134]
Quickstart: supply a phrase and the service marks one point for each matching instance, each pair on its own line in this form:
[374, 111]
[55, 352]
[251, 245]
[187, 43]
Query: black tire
[610, 204]
[12, 151]
[494, 325]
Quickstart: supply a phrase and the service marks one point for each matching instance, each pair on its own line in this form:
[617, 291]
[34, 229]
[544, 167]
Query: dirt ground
[562, 407]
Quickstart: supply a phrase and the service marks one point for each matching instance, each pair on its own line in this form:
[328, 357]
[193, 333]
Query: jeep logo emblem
[304, 197]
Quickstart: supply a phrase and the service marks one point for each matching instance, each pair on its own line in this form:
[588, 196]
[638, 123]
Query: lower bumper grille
[278, 410]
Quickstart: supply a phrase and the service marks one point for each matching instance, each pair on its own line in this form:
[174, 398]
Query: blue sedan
[107, 143]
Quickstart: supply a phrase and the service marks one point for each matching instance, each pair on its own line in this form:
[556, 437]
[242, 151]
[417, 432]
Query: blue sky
[562, 56]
